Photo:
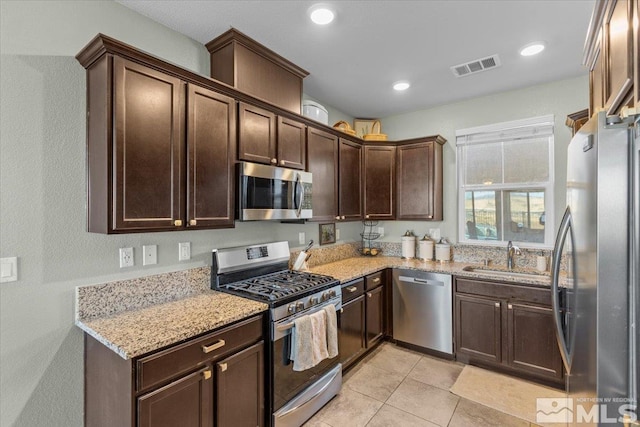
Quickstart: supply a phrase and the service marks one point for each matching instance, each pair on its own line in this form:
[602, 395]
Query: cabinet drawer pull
[274, 161]
[343, 217]
[214, 346]
[193, 222]
[510, 307]
[282, 162]
[223, 367]
[177, 222]
[376, 280]
[206, 374]
[337, 217]
[369, 294]
[342, 310]
[352, 289]
[497, 304]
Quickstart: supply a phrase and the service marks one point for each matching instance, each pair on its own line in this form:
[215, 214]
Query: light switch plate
[301, 238]
[434, 233]
[8, 269]
[184, 251]
[149, 254]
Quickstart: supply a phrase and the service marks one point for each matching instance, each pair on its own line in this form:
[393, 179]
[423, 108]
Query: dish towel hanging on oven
[332, 330]
[309, 340]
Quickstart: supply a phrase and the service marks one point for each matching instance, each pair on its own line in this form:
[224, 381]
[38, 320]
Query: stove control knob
[314, 300]
[332, 294]
[299, 306]
[325, 296]
[291, 309]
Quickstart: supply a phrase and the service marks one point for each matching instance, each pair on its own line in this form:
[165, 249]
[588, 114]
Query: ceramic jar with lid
[409, 245]
[425, 246]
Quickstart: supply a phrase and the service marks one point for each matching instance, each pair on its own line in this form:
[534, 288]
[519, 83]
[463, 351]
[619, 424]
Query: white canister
[426, 249]
[408, 246]
[541, 263]
[443, 252]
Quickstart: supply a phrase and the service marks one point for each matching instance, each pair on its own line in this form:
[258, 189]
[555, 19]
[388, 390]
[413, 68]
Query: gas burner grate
[279, 285]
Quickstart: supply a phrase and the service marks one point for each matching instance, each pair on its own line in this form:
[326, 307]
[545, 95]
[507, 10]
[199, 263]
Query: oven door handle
[285, 326]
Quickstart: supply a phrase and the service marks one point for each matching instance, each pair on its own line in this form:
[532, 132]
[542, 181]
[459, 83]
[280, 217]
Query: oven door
[287, 383]
[268, 192]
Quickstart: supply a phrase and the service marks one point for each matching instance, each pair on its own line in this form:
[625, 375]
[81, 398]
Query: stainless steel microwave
[269, 192]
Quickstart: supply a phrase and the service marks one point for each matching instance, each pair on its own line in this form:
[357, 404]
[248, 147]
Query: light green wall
[42, 200]
[559, 98]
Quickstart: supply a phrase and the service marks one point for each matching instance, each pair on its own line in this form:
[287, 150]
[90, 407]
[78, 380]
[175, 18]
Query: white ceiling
[354, 60]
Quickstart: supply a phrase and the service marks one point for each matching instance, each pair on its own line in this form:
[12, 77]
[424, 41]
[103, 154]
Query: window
[505, 183]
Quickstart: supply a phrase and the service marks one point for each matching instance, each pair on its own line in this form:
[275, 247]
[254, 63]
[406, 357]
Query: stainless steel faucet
[511, 251]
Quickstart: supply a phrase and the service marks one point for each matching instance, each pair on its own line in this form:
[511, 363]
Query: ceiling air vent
[476, 66]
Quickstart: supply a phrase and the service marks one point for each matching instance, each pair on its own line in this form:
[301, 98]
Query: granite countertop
[135, 332]
[355, 267]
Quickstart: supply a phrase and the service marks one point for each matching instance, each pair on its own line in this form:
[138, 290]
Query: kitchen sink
[509, 274]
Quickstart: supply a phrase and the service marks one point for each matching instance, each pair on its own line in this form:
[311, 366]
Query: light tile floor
[397, 387]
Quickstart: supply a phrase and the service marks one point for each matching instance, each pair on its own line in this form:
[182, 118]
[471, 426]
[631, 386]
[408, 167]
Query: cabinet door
[351, 331]
[636, 55]
[185, 402]
[420, 181]
[379, 181]
[292, 145]
[375, 315]
[211, 138]
[618, 30]
[322, 162]
[350, 180]
[532, 343]
[257, 134]
[240, 389]
[478, 328]
[596, 79]
[149, 148]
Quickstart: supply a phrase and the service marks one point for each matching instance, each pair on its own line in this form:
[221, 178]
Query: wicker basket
[375, 134]
[343, 126]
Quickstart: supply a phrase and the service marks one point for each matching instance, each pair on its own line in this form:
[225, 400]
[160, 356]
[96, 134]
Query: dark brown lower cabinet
[375, 316]
[216, 379]
[351, 326]
[239, 400]
[185, 402]
[507, 326]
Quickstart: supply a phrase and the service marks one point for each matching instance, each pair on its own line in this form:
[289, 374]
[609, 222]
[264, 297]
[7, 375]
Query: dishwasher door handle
[417, 280]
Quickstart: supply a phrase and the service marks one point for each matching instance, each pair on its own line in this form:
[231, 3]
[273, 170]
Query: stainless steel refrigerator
[596, 272]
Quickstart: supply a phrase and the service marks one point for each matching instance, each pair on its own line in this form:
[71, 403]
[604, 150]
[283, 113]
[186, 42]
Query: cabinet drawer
[374, 280]
[512, 292]
[352, 290]
[156, 368]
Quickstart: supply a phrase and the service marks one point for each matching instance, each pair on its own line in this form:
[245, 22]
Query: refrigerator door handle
[563, 232]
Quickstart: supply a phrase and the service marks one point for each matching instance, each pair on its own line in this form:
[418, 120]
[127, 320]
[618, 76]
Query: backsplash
[324, 255]
[114, 297]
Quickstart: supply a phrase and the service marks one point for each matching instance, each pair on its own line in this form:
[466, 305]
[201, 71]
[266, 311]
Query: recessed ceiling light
[532, 49]
[321, 14]
[400, 86]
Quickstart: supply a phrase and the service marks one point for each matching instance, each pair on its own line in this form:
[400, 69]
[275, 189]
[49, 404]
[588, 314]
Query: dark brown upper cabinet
[419, 175]
[322, 162]
[379, 181]
[612, 57]
[260, 141]
[160, 149]
[350, 181]
[135, 148]
[211, 136]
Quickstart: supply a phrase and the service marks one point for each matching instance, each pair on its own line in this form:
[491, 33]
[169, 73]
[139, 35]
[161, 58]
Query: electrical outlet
[381, 231]
[184, 251]
[8, 269]
[149, 254]
[301, 238]
[126, 257]
[337, 234]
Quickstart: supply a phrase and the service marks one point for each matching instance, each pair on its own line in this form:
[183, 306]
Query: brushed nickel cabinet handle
[337, 217]
[342, 310]
[223, 367]
[193, 222]
[274, 161]
[376, 280]
[343, 217]
[497, 304]
[510, 307]
[214, 346]
[352, 289]
[206, 374]
[369, 294]
[282, 162]
[177, 222]
[366, 216]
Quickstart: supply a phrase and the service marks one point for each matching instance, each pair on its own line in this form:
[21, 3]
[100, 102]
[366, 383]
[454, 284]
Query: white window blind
[505, 182]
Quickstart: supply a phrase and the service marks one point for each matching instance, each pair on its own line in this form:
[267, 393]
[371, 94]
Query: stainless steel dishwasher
[423, 309]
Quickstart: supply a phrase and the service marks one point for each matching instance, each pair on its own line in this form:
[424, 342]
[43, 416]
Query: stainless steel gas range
[260, 272]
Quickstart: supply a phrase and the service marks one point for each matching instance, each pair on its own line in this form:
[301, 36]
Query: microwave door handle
[299, 192]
